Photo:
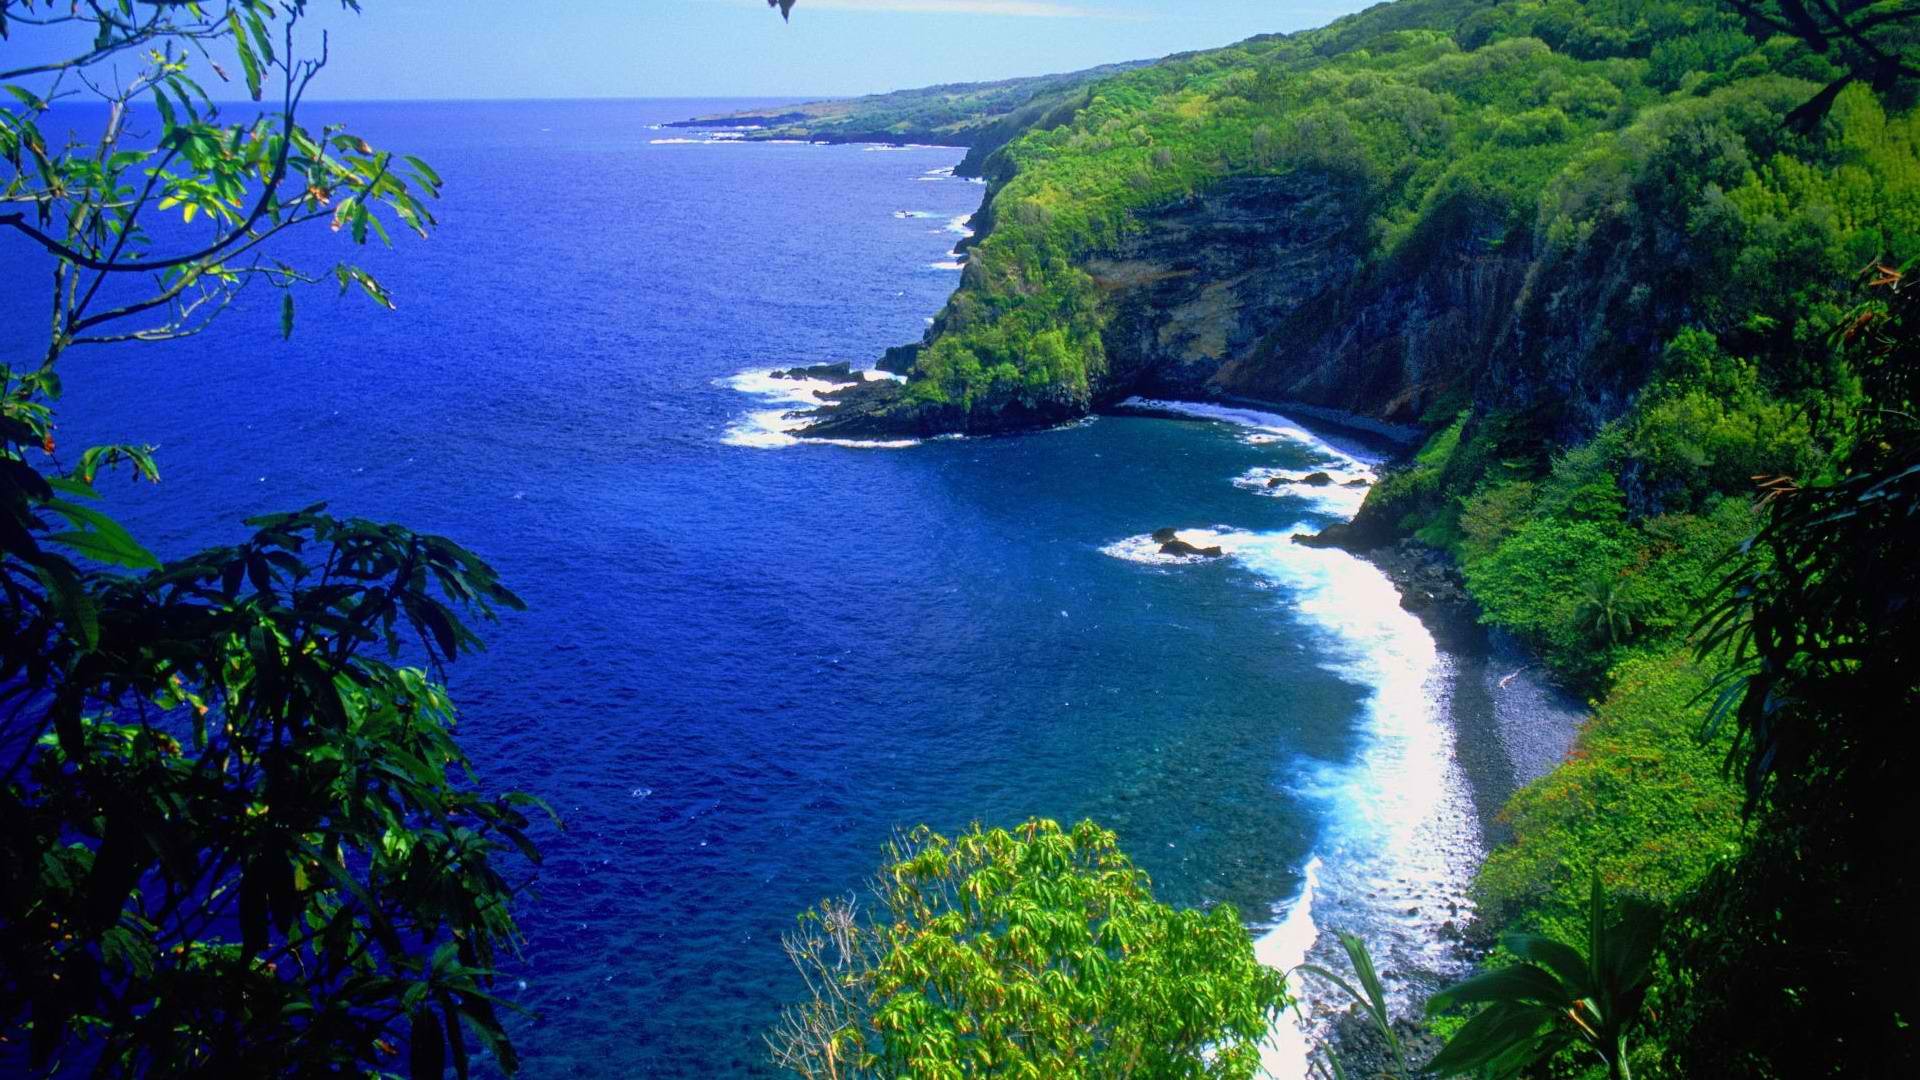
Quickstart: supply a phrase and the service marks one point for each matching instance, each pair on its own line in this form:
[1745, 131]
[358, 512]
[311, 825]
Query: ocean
[748, 661]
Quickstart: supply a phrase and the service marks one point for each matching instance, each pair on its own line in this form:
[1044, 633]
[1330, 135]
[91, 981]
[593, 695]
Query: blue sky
[696, 48]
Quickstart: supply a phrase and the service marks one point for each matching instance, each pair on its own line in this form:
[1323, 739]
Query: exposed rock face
[841, 372]
[884, 409]
[1171, 544]
[1312, 479]
[1182, 548]
[900, 359]
[1259, 288]
[1209, 278]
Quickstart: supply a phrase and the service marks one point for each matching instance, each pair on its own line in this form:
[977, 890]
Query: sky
[716, 48]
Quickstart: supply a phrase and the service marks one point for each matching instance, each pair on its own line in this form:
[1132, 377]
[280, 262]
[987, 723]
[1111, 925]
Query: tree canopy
[1033, 952]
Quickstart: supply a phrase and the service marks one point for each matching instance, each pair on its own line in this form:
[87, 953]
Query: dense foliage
[1694, 199]
[1819, 616]
[1036, 952]
[1555, 996]
[1627, 155]
[240, 838]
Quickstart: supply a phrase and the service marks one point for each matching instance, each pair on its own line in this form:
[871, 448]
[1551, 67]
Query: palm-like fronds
[1556, 996]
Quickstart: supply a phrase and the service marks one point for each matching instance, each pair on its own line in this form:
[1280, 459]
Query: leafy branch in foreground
[241, 839]
[1370, 996]
[1555, 996]
[164, 229]
[1872, 41]
[1820, 616]
[236, 841]
[1036, 952]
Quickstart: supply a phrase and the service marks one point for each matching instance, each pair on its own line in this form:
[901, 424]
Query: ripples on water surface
[746, 661]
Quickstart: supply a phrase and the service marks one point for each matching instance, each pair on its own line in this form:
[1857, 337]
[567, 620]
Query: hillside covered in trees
[1636, 267]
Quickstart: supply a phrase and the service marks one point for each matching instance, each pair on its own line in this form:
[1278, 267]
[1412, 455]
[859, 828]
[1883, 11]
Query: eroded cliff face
[1262, 288]
[1202, 286]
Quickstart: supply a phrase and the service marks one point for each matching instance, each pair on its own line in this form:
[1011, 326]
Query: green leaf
[286, 316]
[1488, 1036]
[427, 174]
[1521, 983]
[1560, 958]
[70, 598]
[168, 120]
[249, 63]
[261, 39]
[74, 488]
[104, 539]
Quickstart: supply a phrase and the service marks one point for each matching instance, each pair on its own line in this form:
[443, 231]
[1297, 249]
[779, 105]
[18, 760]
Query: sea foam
[770, 429]
[1394, 808]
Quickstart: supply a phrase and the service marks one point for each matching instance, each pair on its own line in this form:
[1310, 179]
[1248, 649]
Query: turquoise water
[746, 661]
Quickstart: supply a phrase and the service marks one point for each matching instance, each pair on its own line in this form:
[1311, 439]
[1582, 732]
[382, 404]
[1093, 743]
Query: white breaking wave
[769, 429]
[958, 226]
[1263, 427]
[1343, 496]
[949, 265]
[1283, 948]
[1395, 805]
[915, 214]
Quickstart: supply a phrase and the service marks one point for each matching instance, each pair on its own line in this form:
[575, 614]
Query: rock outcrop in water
[1171, 544]
[840, 372]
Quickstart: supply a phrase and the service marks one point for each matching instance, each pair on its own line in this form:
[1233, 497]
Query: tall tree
[1797, 959]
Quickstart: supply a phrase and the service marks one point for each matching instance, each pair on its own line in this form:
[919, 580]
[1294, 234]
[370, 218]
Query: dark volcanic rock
[1182, 548]
[868, 410]
[1357, 483]
[1363, 1052]
[1165, 536]
[882, 409]
[899, 359]
[1316, 479]
[1431, 587]
[1206, 278]
[841, 372]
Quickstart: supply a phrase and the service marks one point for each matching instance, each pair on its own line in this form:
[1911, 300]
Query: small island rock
[1182, 548]
[840, 372]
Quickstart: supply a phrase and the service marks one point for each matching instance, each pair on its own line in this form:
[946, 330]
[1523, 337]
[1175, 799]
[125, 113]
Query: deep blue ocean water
[747, 663]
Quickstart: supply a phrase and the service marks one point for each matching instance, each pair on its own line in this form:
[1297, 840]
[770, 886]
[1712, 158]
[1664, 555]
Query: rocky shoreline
[1510, 726]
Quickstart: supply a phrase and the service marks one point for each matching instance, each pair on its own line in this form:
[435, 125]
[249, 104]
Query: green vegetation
[1796, 959]
[1630, 152]
[1640, 802]
[1691, 193]
[981, 116]
[1037, 952]
[240, 837]
[1555, 996]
